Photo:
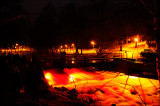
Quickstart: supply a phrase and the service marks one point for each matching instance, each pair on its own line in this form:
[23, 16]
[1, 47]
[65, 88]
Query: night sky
[38, 5]
[53, 22]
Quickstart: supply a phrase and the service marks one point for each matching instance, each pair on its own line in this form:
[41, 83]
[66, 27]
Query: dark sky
[116, 17]
[38, 5]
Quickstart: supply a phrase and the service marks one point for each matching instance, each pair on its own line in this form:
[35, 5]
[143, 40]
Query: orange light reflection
[105, 84]
[71, 78]
[49, 78]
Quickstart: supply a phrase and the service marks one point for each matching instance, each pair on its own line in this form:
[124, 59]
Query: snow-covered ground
[106, 87]
[130, 51]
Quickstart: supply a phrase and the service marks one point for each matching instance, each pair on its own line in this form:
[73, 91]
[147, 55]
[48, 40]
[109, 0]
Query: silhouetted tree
[153, 7]
[73, 22]
[13, 25]
[44, 28]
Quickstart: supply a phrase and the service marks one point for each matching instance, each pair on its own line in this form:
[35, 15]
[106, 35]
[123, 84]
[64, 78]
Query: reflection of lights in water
[71, 78]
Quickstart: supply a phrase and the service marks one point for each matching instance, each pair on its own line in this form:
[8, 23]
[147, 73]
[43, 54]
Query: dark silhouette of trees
[10, 9]
[13, 24]
[153, 7]
[73, 21]
[100, 20]
[44, 28]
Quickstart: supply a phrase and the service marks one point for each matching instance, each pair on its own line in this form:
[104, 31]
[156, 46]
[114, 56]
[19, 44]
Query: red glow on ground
[107, 87]
[49, 78]
[71, 78]
[133, 77]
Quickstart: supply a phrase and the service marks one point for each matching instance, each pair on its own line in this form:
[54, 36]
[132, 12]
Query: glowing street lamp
[73, 62]
[65, 45]
[136, 40]
[16, 44]
[92, 43]
[72, 45]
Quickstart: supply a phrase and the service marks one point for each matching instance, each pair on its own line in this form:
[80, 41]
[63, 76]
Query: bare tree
[153, 7]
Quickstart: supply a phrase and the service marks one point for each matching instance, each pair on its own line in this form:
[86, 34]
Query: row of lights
[66, 46]
[72, 45]
[92, 43]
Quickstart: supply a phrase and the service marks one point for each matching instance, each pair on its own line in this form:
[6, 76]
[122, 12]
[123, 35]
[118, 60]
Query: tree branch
[146, 7]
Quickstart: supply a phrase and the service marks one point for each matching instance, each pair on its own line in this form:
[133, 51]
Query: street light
[65, 45]
[72, 45]
[136, 40]
[92, 43]
[16, 44]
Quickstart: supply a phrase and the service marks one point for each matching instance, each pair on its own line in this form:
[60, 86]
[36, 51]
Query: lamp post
[61, 47]
[92, 43]
[72, 45]
[66, 46]
[136, 40]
